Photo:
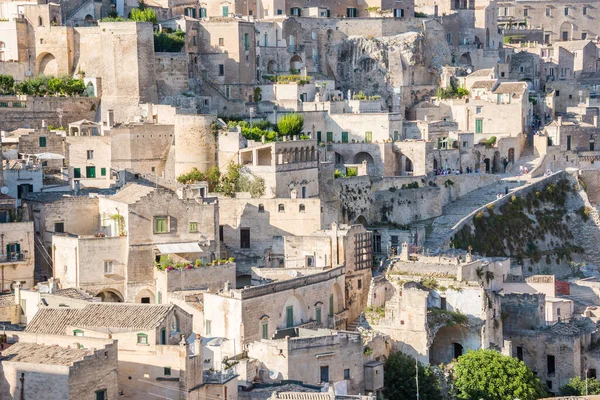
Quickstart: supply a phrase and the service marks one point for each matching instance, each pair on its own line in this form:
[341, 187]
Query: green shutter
[42, 141]
[102, 171]
[159, 298]
[344, 137]
[318, 315]
[203, 13]
[76, 172]
[225, 11]
[395, 136]
[90, 172]
[329, 137]
[479, 126]
[265, 330]
[289, 317]
[368, 137]
[319, 137]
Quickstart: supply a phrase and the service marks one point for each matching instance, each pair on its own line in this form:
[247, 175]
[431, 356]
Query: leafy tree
[400, 382]
[169, 42]
[576, 387]
[291, 124]
[7, 83]
[487, 374]
[56, 85]
[144, 15]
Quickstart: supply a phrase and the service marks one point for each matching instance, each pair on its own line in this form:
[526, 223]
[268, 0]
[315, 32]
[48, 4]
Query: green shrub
[291, 124]
[351, 171]
[143, 15]
[169, 42]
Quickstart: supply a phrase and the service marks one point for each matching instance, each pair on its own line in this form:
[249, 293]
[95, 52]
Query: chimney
[110, 118]
[404, 252]
[596, 121]
[52, 286]
[227, 286]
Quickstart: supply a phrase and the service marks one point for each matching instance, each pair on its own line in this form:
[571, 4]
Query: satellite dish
[469, 70]
[273, 375]
[4, 190]
[27, 73]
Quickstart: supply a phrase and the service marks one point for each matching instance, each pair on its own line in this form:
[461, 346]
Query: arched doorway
[271, 67]
[339, 160]
[110, 296]
[89, 20]
[511, 155]
[47, 64]
[363, 156]
[566, 31]
[408, 166]
[296, 63]
[293, 312]
[487, 163]
[465, 59]
[145, 297]
[361, 220]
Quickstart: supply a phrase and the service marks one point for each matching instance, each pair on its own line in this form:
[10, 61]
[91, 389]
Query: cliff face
[386, 65]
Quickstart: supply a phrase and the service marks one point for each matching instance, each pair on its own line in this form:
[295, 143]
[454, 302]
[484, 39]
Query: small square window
[478, 110]
[347, 374]
[193, 227]
[42, 141]
[261, 208]
[102, 171]
[101, 394]
[142, 338]
[160, 225]
[90, 154]
[281, 208]
[167, 371]
[108, 267]
[59, 227]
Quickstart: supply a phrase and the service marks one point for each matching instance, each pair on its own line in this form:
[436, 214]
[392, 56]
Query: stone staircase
[452, 213]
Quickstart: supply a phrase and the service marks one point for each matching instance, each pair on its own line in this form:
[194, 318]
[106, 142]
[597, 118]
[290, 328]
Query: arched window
[301, 208]
[174, 324]
[281, 208]
[261, 208]
[264, 327]
[40, 21]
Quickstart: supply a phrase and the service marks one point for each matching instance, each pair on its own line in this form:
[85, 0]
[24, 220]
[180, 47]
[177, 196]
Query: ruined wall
[523, 311]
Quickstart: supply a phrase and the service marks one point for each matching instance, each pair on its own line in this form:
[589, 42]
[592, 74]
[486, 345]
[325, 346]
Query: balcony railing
[218, 376]
[12, 257]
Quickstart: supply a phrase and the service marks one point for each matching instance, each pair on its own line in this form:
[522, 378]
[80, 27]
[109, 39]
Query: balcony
[218, 376]
[12, 258]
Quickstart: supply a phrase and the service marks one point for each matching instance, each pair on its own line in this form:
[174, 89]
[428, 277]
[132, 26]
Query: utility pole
[417, 375]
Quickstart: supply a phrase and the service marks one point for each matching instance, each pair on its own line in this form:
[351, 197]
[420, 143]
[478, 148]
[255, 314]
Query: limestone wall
[18, 269]
[195, 143]
[171, 74]
[211, 278]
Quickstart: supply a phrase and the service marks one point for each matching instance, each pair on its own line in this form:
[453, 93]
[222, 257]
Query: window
[245, 238]
[566, 11]
[548, 12]
[584, 10]
[592, 373]
[368, 137]
[360, 283]
[449, 38]
[295, 11]
[583, 36]
[550, 364]
[265, 330]
[193, 227]
[163, 335]
[160, 225]
[310, 261]
[40, 21]
[90, 172]
[281, 208]
[208, 327]
[329, 137]
[347, 374]
[344, 137]
[221, 233]
[167, 371]
[568, 142]
[59, 227]
[557, 93]
[521, 69]
[203, 12]
[319, 137]
[77, 332]
[225, 10]
[221, 70]
[351, 12]
[443, 303]
[331, 305]
[478, 110]
[324, 373]
[227, 91]
[142, 338]
[42, 141]
[279, 12]
[101, 394]
[303, 192]
[246, 44]
[549, 384]
[398, 12]
[547, 39]
[221, 42]
[261, 208]
[318, 315]
[519, 353]
[76, 172]
[478, 126]
[145, 300]
[90, 154]
[289, 316]
[108, 267]
[395, 136]
[526, 12]
[103, 171]
[565, 35]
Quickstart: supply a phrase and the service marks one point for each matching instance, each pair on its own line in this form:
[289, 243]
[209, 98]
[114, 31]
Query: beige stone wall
[55, 143]
[195, 143]
[211, 278]
[11, 314]
[171, 74]
[77, 148]
[21, 269]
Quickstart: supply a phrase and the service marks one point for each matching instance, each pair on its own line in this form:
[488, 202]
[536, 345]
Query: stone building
[17, 257]
[88, 155]
[559, 20]
[41, 370]
[44, 141]
[140, 225]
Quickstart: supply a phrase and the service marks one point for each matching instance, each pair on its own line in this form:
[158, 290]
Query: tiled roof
[302, 396]
[481, 72]
[73, 293]
[35, 353]
[95, 315]
[132, 193]
[510, 87]
[7, 300]
[573, 45]
[487, 84]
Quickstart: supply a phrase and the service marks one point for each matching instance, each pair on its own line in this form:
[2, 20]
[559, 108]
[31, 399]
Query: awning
[171, 248]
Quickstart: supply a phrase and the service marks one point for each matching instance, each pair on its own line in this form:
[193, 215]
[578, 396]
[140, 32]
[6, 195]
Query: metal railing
[12, 257]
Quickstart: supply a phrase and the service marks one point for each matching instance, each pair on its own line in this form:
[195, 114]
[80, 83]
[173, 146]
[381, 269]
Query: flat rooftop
[35, 353]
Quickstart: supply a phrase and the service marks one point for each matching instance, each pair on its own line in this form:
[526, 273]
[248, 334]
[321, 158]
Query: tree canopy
[487, 374]
[291, 124]
[576, 387]
[400, 382]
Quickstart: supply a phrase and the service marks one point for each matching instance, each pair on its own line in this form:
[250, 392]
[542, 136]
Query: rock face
[385, 65]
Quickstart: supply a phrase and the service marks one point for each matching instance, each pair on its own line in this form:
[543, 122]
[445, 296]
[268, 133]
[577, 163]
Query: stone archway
[566, 31]
[145, 296]
[465, 59]
[47, 65]
[110, 296]
[296, 63]
[408, 166]
[271, 67]
[364, 156]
